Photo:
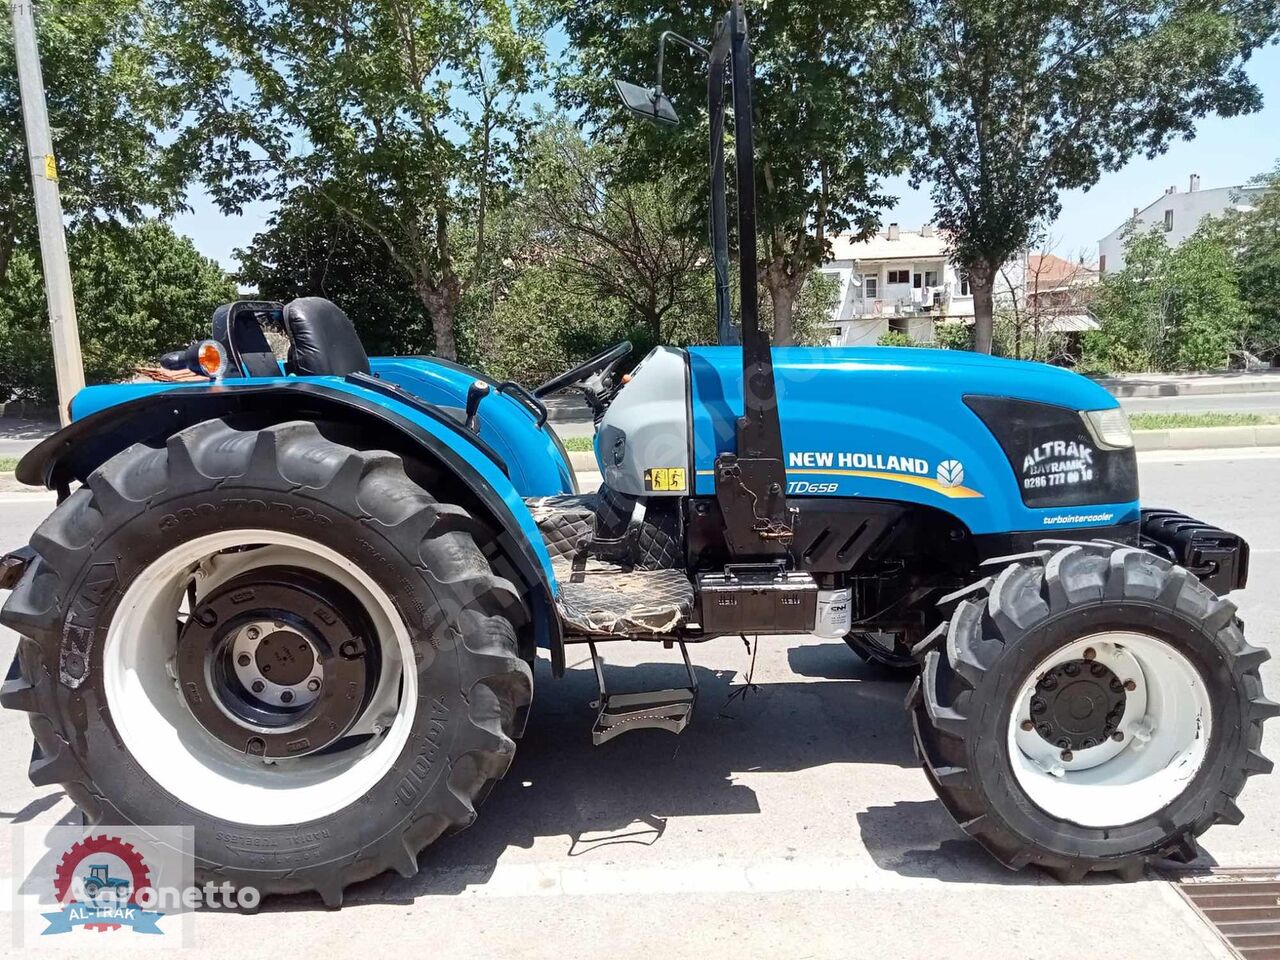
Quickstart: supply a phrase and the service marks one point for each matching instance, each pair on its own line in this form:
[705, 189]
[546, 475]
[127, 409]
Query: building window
[870, 286]
[1168, 221]
[964, 287]
[899, 276]
[917, 281]
[1102, 263]
[931, 278]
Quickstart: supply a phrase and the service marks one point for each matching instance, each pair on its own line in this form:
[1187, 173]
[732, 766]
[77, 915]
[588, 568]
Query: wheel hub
[1078, 704]
[275, 664]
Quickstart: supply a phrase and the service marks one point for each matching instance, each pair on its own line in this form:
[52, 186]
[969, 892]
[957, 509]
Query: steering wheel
[594, 376]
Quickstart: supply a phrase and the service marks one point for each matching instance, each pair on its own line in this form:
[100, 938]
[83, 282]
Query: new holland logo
[950, 473]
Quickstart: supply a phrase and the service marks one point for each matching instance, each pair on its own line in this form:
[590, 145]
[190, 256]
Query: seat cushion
[323, 341]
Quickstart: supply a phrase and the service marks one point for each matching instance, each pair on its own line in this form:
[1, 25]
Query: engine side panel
[892, 424]
[642, 444]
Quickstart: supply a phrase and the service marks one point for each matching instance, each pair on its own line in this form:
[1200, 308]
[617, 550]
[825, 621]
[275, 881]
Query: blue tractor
[296, 604]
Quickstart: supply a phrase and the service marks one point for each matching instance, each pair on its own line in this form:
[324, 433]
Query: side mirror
[653, 105]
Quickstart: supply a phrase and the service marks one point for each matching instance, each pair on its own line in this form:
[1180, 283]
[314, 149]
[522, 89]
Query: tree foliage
[309, 249]
[403, 115]
[821, 144]
[140, 290]
[1010, 103]
[1168, 309]
[110, 98]
[1253, 234]
[617, 240]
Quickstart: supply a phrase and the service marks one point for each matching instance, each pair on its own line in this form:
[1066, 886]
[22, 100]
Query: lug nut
[1116, 685]
[1089, 742]
[253, 633]
[244, 660]
[1097, 669]
[1028, 725]
[1131, 685]
[286, 697]
[1038, 705]
[1067, 756]
[1071, 669]
[1090, 653]
[313, 684]
[258, 686]
[1044, 730]
[1049, 683]
[1118, 736]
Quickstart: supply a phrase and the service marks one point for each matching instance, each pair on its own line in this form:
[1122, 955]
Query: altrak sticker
[1057, 463]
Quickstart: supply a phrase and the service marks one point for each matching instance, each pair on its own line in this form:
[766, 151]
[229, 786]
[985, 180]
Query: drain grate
[1243, 907]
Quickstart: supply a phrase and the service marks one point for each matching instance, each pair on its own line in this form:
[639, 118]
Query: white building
[1178, 214]
[896, 280]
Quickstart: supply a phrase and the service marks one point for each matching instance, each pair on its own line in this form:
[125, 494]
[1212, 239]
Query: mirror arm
[662, 50]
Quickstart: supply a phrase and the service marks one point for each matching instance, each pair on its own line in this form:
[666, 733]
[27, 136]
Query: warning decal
[664, 479]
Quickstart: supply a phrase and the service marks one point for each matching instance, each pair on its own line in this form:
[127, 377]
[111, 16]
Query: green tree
[141, 291]
[619, 241]
[403, 115]
[1254, 236]
[1010, 103]
[821, 144]
[309, 249]
[110, 98]
[1168, 309]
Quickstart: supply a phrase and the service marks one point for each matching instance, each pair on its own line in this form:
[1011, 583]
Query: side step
[669, 710]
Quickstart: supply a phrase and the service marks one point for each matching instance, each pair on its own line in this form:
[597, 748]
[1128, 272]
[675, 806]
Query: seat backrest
[323, 341]
[238, 327]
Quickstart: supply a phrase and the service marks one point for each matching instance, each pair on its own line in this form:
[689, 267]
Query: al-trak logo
[99, 882]
[946, 478]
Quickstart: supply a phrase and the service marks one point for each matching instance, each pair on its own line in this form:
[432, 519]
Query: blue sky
[1224, 153]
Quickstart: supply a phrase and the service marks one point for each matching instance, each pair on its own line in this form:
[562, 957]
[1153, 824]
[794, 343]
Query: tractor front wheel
[1091, 708]
[278, 639]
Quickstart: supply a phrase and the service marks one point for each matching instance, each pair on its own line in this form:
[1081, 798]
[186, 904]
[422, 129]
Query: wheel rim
[1096, 756]
[159, 729]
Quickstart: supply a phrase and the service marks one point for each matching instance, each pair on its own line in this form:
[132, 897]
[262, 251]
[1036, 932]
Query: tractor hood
[1001, 444]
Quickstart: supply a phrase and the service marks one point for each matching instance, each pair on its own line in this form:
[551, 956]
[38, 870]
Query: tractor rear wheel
[278, 639]
[1089, 709]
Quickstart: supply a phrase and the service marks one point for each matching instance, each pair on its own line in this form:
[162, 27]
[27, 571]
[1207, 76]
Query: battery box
[757, 598]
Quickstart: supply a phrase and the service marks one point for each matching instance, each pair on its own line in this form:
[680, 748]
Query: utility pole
[68, 365]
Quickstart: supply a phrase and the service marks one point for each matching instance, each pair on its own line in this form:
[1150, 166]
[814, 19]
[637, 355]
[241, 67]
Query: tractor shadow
[624, 792]
[604, 800]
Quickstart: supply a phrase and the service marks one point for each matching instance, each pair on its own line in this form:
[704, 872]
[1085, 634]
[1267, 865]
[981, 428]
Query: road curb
[585, 460]
[1208, 438]
[1261, 383]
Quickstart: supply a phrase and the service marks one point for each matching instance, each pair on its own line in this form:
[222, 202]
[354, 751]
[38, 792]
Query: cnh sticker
[664, 479]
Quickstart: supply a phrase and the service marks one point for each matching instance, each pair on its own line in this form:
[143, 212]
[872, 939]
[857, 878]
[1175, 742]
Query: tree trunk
[982, 280]
[784, 286]
[441, 303]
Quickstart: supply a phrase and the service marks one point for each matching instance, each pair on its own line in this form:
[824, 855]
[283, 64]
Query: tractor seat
[322, 340]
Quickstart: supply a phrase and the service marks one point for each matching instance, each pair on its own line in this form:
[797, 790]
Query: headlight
[1110, 428]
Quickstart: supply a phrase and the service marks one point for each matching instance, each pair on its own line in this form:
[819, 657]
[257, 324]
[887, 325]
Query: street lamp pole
[67, 362]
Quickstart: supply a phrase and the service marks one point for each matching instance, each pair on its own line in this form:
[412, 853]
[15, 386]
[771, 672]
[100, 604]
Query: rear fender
[149, 413]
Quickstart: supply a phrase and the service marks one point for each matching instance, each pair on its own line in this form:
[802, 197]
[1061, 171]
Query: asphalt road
[793, 822]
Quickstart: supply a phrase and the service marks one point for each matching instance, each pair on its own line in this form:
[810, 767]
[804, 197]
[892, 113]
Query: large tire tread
[371, 485]
[997, 611]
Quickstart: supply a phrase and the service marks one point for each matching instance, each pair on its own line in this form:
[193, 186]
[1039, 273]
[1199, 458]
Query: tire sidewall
[419, 771]
[996, 696]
